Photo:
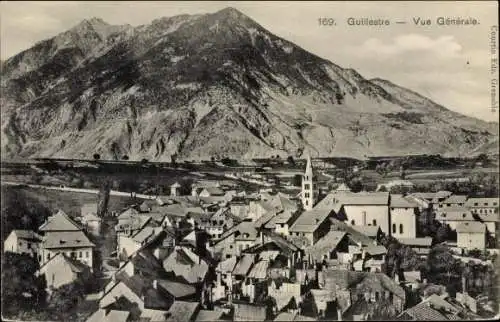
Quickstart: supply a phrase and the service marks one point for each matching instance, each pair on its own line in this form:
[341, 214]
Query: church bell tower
[308, 187]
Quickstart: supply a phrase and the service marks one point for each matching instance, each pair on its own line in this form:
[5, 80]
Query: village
[223, 253]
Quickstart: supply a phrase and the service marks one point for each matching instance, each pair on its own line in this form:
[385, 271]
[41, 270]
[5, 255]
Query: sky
[449, 64]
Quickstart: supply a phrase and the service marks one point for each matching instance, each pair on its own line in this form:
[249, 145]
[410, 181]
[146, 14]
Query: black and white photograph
[249, 161]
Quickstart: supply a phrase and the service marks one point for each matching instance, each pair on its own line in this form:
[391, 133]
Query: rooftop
[244, 264]
[208, 315]
[310, 220]
[370, 231]
[27, 235]
[178, 290]
[422, 242]
[471, 227]
[482, 202]
[66, 239]
[325, 245]
[400, 201]
[59, 222]
[455, 214]
[455, 199]
[182, 311]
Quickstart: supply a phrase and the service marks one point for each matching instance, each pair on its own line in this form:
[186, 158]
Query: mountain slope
[209, 85]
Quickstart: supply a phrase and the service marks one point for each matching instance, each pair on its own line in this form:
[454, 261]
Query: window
[29, 245]
[73, 254]
[480, 211]
[475, 203]
[353, 222]
[48, 256]
[20, 243]
[400, 228]
[494, 203]
[374, 222]
[307, 186]
[448, 205]
[485, 203]
[306, 194]
[80, 255]
[307, 203]
[307, 178]
[282, 225]
[394, 228]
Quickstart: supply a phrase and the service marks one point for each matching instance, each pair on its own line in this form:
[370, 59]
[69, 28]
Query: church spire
[308, 186]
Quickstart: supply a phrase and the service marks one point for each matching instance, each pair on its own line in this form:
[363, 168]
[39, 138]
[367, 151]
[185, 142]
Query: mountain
[218, 84]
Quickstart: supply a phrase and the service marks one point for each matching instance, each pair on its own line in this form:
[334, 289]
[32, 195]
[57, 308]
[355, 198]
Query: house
[454, 201]
[471, 235]
[412, 279]
[403, 216]
[327, 247]
[73, 243]
[209, 316]
[211, 192]
[237, 239]
[320, 303]
[130, 222]
[453, 216]
[128, 245]
[61, 270]
[439, 197]
[483, 205]
[174, 189]
[92, 223]
[287, 316]
[311, 225]
[184, 264]
[59, 222]
[362, 209]
[182, 311]
[367, 287]
[221, 221]
[102, 315]
[285, 294]
[421, 246]
[23, 242]
[433, 308]
[135, 290]
[249, 312]
[374, 232]
[224, 281]
[242, 268]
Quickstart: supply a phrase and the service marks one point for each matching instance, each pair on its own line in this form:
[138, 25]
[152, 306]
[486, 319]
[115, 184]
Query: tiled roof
[489, 217]
[364, 198]
[208, 315]
[146, 263]
[75, 265]
[441, 195]
[132, 223]
[400, 201]
[343, 188]
[186, 264]
[142, 287]
[227, 265]
[455, 199]
[370, 231]
[59, 222]
[471, 227]
[145, 233]
[182, 311]
[117, 316]
[309, 221]
[259, 270]
[455, 214]
[27, 235]
[244, 264]
[245, 229]
[268, 254]
[354, 235]
[325, 245]
[422, 242]
[130, 212]
[375, 249]
[412, 276]
[66, 239]
[424, 312]
[178, 290]
[321, 297]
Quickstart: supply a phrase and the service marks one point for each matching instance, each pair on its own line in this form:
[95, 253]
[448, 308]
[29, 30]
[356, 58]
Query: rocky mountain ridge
[219, 84]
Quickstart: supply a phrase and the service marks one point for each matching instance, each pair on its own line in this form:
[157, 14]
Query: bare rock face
[210, 85]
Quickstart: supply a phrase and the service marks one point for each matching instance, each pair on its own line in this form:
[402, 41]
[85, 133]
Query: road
[79, 190]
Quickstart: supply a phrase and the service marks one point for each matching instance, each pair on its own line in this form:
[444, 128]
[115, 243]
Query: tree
[65, 298]
[144, 161]
[125, 157]
[21, 290]
[355, 185]
[442, 234]
[97, 156]
[186, 186]
[297, 180]
[103, 198]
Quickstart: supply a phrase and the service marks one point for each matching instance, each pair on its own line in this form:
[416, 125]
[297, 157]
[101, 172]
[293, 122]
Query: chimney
[155, 284]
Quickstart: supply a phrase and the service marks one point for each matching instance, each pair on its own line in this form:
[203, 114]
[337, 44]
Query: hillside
[219, 84]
